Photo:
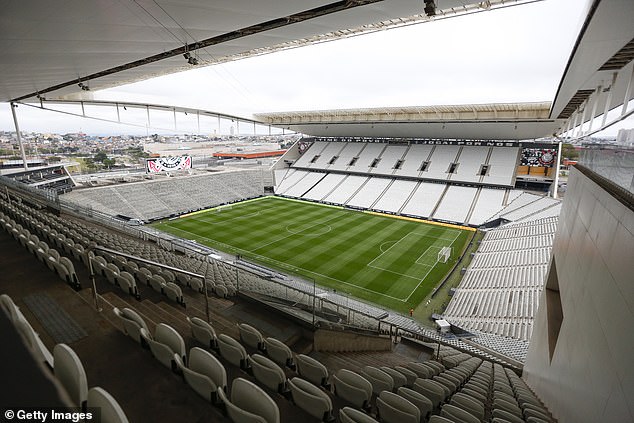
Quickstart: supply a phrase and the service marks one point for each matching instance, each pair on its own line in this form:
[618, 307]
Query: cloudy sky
[515, 54]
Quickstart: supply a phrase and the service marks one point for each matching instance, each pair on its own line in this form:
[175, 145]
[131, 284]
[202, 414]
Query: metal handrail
[142, 260]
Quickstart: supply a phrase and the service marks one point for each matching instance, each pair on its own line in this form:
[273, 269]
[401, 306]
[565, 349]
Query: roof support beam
[327, 9]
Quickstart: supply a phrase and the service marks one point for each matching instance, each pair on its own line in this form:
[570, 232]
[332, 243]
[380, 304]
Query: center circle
[309, 229]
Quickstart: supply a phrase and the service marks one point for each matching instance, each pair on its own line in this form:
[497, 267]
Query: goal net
[444, 254]
[223, 208]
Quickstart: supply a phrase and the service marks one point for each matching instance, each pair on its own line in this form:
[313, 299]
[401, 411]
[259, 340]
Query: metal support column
[628, 93]
[19, 137]
[556, 186]
[608, 101]
[314, 298]
[595, 103]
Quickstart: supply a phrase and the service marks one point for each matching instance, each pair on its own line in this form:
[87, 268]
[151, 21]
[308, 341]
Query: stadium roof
[50, 47]
[491, 121]
[598, 78]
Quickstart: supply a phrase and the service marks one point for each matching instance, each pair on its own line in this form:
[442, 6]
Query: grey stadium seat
[203, 332]
[471, 405]
[70, 372]
[398, 378]
[350, 415]
[165, 344]
[232, 351]
[127, 283]
[421, 370]
[249, 404]
[395, 409]
[204, 373]
[410, 376]
[380, 380]
[174, 292]
[432, 390]
[132, 323]
[352, 387]
[112, 272]
[268, 373]
[250, 336]
[312, 370]
[279, 352]
[311, 399]
[157, 283]
[424, 404]
[458, 414]
[109, 409]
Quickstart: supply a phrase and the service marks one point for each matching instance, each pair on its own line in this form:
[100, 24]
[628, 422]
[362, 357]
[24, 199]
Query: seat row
[57, 263]
[401, 394]
[67, 368]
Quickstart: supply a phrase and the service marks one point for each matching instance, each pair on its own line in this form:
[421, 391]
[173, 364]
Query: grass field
[382, 259]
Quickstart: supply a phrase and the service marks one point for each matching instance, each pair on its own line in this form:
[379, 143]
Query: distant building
[625, 137]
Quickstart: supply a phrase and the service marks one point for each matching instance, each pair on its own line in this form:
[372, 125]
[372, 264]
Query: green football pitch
[382, 259]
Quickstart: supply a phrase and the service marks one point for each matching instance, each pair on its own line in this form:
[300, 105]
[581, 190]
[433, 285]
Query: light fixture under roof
[430, 8]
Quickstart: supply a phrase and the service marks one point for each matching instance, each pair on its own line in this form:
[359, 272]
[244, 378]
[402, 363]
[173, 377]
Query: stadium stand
[473, 164]
[502, 164]
[488, 202]
[430, 190]
[346, 155]
[346, 189]
[470, 162]
[424, 200]
[389, 158]
[368, 194]
[413, 160]
[51, 177]
[439, 162]
[395, 196]
[157, 199]
[291, 178]
[348, 383]
[324, 186]
[304, 184]
[455, 204]
[500, 290]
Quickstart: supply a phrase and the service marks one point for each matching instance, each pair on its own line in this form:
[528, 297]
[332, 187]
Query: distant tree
[100, 156]
[568, 151]
[109, 162]
[90, 164]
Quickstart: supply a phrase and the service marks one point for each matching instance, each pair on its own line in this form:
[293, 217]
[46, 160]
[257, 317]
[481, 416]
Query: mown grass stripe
[335, 246]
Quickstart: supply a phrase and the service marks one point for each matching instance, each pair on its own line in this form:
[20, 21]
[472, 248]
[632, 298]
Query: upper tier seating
[423, 161]
[156, 199]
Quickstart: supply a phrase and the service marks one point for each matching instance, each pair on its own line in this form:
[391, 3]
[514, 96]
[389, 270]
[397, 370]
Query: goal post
[444, 254]
[223, 208]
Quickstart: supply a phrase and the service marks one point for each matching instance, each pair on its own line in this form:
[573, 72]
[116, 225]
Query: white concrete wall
[591, 375]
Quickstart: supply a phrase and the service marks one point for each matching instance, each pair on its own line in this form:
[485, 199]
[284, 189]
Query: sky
[517, 54]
